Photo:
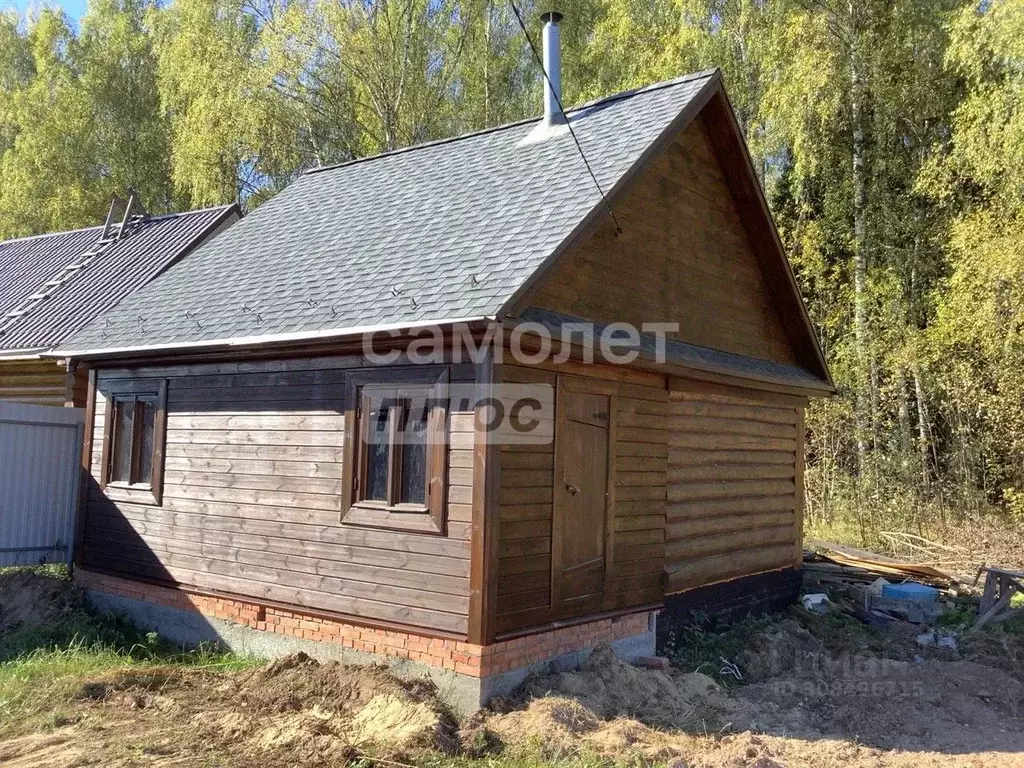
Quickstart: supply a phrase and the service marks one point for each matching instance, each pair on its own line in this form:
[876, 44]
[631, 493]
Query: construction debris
[936, 639]
[879, 589]
[815, 602]
[851, 563]
[1000, 587]
[856, 580]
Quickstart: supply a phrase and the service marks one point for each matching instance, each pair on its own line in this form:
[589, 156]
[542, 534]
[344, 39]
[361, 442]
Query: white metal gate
[40, 471]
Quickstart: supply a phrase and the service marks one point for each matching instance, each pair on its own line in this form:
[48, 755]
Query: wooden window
[133, 442]
[396, 449]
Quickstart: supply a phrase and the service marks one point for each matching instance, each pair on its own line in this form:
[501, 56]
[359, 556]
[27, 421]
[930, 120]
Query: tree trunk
[904, 440]
[487, 67]
[922, 426]
[865, 374]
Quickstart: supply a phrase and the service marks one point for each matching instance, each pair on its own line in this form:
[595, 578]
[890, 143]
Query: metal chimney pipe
[553, 67]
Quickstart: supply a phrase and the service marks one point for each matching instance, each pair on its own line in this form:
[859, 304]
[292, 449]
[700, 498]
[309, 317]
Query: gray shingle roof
[444, 231]
[149, 246]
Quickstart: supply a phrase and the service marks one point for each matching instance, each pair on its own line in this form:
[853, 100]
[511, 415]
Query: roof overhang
[681, 359]
[269, 342]
[33, 353]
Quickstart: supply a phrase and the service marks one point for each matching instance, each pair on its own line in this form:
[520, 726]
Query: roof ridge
[621, 95]
[158, 217]
[41, 235]
[176, 214]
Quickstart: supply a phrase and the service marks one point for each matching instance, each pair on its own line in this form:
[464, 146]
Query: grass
[705, 645]
[42, 667]
[523, 758]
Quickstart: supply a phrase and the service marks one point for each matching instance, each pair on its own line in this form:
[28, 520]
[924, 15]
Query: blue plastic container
[911, 590]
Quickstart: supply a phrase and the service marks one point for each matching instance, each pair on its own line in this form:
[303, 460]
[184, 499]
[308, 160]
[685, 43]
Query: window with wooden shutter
[133, 442]
[396, 449]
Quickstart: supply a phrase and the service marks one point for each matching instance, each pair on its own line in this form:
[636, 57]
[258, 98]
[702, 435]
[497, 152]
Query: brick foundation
[477, 661]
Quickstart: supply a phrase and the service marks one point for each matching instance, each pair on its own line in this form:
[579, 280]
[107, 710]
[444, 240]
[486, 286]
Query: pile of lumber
[835, 563]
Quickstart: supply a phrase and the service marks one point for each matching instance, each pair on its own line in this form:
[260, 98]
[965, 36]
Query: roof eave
[268, 341]
[27, 353]
[803, 388]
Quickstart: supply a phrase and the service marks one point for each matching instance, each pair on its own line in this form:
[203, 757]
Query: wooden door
[581, 501]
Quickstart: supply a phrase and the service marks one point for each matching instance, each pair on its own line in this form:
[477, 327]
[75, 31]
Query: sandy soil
[826, 710]
[804, 701]
[297, 712]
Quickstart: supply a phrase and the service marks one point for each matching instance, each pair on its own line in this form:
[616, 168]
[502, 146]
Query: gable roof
[455, 230]
[148, 247]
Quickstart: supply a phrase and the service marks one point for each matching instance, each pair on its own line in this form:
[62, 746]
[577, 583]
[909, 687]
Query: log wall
[252, 500]
[39, 382]
[735, 485]
[527, 503]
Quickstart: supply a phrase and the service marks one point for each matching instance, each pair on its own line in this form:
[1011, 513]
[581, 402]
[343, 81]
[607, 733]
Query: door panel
[581, 502]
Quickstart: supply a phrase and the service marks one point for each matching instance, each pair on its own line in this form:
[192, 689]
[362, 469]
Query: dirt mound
[292, 711]
[29, 600]
[299, 682]
[609, 687]
[393, 723]
[610, 708]
[561, 726]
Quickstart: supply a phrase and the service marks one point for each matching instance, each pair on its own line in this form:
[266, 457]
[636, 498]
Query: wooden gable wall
[683, 256]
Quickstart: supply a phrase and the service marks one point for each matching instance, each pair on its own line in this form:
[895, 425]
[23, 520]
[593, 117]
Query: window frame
[146, 490]
[393, 514]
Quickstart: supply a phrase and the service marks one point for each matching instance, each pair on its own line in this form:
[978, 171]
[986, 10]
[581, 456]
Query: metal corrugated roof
[442, 231]
[149, 246]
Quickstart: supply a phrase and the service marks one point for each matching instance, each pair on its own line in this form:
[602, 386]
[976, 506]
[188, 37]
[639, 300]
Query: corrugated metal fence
[40, 448]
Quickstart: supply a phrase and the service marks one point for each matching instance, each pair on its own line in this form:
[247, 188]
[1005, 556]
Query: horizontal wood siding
[527, 499]
[682, 256]
[525, 507]
[252, 500]
[641, 455]
[36, 382]
[734, 467]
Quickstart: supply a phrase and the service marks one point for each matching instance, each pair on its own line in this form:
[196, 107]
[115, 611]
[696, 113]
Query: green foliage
[79, 119]
[961, 615]
[888, 135]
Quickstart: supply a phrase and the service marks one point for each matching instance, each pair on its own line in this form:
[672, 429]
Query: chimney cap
[552, 16]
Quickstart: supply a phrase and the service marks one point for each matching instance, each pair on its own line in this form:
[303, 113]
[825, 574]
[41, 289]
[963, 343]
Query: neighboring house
[53, 285]
[231, 400]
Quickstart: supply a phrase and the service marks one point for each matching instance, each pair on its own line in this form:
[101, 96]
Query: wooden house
[53, 285]
[226, 451]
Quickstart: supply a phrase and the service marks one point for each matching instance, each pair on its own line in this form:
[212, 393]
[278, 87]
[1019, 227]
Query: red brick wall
[455, 655]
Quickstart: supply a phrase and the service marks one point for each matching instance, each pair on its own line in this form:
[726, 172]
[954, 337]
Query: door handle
[572, 488]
